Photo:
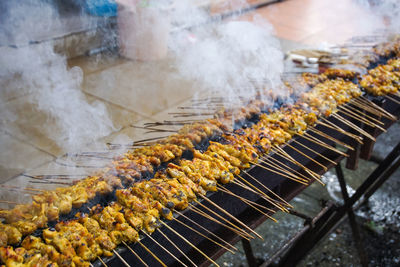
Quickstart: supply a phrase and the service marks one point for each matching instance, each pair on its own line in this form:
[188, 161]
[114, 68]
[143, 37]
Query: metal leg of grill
[353, 224]
[251, 260]
[327, 221]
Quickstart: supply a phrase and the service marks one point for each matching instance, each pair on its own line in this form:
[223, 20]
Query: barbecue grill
[306, 155]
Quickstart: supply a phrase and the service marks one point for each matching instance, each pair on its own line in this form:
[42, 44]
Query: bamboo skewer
[315, 152]
[166, 250]
[175, 246]
[190, 244]
[274, 162]
[363, 101]
[320, 133]
[10, 202]
[203, 235]
[202, 213]
[308, 157]
[206, 230]
[135, 254]
[280, 173]
[232, 217]
[368, 108]
[368, 102]
[352, 125]
[392, 99]
[292, 173]
[269, 190]
[224, 219]
[361, 119]
[152, 254]
[102, 262]
[317, 141]
[122, 259]
[363, 114]
[249, 202]
[333, 126]
[260, 193]
[285, 155]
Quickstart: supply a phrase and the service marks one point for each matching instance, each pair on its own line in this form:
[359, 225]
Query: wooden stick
[282, 169]
[307, 156]
[266, 188]
[175, 246]
[274, 162]
[390, 116]
[166, 250]
[249, 202]
[260, 193]
[10, 202]
[337, 141]
[122, 259]
[205, 229]
[392, 99]
[315, 140]
[361, 113]
[135, 254]
[224, 219]
[280, 173]
[203, 235]
[315, 152]
[202, 213]
[361, 119]
[333, 126]
[193, 246]
[352, 125]
[232, 217]
[285, 155]
[365, 107]
[102, 262]
[152, 254]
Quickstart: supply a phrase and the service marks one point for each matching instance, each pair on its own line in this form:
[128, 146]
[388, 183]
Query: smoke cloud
[31, 67]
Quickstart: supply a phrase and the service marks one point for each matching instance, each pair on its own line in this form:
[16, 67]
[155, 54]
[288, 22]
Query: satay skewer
[364, 114]
[333, 126]
[189, 243]
[361, 119]
[353, 126]
[320, 133]
[317, 141]
[120, 257]
[225, 220]
[232, 217]
[260, 193]
[248, 202]
[135, 254]
[269, 190]
[307, 156]
[102, 262]
[206, 230]
[209, 217]
[296, 179]
[175, 246]
[282, 153]
[288, 171]
[274, 162]
[392, 99]
[166, 250]
[315, 152]
[385, 113]
[203, 235]
[151, 253]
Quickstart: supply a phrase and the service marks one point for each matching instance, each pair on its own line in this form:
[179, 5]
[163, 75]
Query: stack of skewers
[140, 191]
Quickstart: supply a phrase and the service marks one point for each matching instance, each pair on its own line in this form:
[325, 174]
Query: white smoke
[234, 58]
[53, 89]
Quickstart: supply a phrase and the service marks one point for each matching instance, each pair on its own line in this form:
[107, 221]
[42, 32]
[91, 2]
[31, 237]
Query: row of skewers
[182, 173]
